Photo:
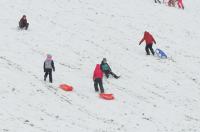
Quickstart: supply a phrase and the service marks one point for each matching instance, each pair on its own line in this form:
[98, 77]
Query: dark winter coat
[23, 22]
[148, 38]
[48, 64]
[105, 67]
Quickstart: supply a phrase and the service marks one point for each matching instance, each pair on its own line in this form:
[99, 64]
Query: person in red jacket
[97, 78]
[149, 42]
[180, 4]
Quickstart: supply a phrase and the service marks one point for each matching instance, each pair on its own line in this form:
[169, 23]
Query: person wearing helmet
[48, 66]
[106, 69]
[23, 23]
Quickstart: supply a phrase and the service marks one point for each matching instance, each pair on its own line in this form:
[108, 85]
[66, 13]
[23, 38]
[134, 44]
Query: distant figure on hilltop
[106, 69]
[23, 23]
[171, 3]
[180, 4]
[97, 78]
[157, 1]
[48, 66]
[149, 42]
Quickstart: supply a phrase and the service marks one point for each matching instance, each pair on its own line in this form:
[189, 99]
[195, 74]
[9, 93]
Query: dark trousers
[157, 1]
[107, 73]
[24, 26]
[48, 72]
[98, 81]
[149, 46]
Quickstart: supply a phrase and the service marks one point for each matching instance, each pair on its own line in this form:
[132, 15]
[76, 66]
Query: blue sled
[160, 54]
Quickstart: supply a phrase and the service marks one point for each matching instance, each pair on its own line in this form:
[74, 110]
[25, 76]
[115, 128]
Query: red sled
[106, 96]
[66, 87]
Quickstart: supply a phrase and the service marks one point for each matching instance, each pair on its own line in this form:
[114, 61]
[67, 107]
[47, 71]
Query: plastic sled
[66, 87]
[160, 54]
[106, 96]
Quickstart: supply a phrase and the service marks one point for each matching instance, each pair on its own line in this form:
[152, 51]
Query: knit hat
[104, 60]
[49, 57]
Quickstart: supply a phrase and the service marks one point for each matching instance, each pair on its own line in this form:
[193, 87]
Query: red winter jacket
[97, 72]
[148, 38]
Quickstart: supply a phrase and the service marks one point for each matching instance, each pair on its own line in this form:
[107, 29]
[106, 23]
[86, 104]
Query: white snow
[152, 95]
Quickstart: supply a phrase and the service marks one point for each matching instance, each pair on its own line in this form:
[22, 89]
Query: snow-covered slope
[152, 95]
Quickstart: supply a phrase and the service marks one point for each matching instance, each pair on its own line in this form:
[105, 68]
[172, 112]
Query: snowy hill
[152, 95]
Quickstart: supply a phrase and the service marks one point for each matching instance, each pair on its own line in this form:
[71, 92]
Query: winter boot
[115, 76]
[45, 78]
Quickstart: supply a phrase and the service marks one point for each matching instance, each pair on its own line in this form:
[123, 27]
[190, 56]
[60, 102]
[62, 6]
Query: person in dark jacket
[106, 69]
[148, 38]
[48, 66]
[23, 23]
[97, 78]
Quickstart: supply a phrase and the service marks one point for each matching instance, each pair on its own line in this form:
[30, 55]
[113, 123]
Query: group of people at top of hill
[172, 3]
